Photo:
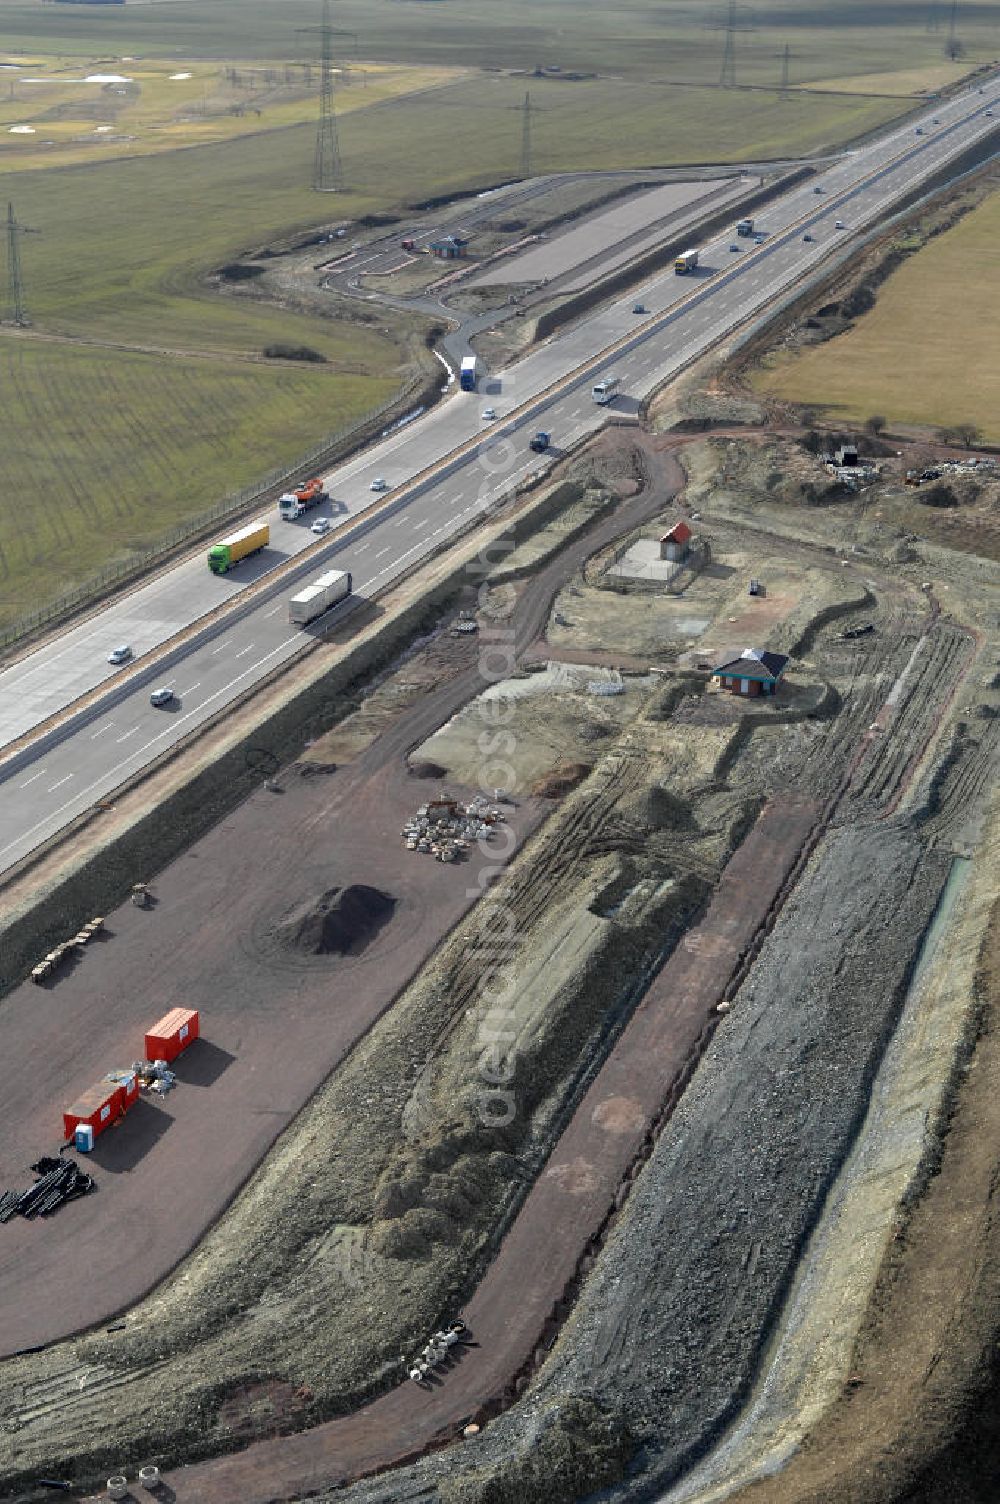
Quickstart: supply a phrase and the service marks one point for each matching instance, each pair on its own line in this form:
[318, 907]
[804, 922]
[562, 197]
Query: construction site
[528, 1032]
[680, 1076]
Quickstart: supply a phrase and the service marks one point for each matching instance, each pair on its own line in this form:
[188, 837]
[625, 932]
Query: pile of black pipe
[59, 1181]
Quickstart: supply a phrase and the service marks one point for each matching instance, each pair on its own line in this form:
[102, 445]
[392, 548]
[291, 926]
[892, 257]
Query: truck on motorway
[686, 262]
[540, 441]
[744, 226]
[239, 545]
[294, 503]
[469, 374]
[605, 391]
[316, 599]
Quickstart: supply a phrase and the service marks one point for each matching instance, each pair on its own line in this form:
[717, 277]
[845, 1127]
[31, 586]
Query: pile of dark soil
[314, 769]
[661, 810]
[428, 770]
[340, 922]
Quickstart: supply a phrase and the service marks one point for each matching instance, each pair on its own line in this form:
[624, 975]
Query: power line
[785, 56]
[328, 172]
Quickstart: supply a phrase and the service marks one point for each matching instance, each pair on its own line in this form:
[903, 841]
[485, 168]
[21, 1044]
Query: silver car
[121, 654]
[161, 696]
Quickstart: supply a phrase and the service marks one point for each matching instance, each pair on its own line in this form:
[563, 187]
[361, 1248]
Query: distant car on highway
[919, 131]
[818, 188]
[489, 414]
[838, 224]
[807, 236]
[120, 654]
[161, 697]
[378, 484]
[320, 526]
[735, 247]
[639, 308]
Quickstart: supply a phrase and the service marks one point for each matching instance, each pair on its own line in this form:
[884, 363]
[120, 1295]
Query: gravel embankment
[669, 1330]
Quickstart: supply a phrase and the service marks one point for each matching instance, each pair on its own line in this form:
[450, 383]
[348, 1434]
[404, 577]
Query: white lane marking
[102, 731]
[168, 730]
[244, 651]
[190, 689]
[275, 611]
[362, 546]
[219, 648]
[24, 785]
[381, 552]
[60, 783]
[127, 735]
[422, 523]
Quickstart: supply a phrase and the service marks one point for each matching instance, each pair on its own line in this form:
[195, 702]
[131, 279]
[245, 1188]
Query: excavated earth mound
[340, 922]
[427, 769]
[561, 780]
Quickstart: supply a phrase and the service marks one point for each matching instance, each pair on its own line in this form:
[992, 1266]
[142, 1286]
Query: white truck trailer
[316, 599]
[468, 376]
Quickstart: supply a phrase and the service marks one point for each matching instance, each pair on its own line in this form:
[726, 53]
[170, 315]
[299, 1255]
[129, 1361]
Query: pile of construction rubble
[444, 828]
[153, 1075]
[59, 1180]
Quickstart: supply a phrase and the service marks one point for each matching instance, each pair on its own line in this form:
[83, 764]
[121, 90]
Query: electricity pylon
[16, 311]
[526, 138]
[328, 172]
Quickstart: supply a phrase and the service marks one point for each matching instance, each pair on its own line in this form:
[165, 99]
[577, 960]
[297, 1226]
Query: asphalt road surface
[685, 316]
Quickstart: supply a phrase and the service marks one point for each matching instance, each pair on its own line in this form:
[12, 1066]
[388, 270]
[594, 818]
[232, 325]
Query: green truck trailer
[239, 545]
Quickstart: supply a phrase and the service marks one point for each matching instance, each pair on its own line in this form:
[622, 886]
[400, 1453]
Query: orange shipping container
[129, 1083]
[173, 1033]
[99, 1106]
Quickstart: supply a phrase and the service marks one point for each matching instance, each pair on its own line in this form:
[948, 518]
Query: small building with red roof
[674, 545]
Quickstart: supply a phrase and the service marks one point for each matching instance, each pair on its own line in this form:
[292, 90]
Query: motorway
[470, 466]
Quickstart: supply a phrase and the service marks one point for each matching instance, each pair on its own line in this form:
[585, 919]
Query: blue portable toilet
[83, 1138]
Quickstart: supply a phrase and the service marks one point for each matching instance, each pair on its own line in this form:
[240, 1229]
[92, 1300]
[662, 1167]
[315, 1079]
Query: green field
[914, 359]
[115, 450]
[630, 38]
[127, 230]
